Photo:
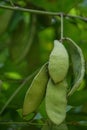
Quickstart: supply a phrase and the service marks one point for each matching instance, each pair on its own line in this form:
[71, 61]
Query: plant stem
[11, 2]
[16, 8]
[20, 123]
[61, 26]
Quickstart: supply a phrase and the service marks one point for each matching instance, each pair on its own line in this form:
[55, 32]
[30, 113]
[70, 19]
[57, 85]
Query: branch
[11, 2]
[20, 123]
[16, 8]
[61, 27]
[77, 17]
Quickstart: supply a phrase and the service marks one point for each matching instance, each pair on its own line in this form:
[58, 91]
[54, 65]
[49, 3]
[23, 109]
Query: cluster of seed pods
[50, 83]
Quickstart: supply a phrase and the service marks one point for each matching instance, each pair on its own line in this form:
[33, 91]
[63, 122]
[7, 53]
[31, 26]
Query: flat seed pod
[36, 91]
[58, 62]
[78, 64]
[56, 101]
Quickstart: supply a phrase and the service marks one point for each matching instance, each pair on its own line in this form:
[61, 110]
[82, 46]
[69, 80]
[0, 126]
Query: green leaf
[19, 35]
[76, 117]
[5, 17]
[78, 98]
[56, 5]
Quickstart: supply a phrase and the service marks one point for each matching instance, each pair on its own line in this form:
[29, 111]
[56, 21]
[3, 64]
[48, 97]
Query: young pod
[58, 62]
[56, 101]
[36, 91]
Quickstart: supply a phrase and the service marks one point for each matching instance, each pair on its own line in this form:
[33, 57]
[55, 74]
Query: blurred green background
[26, 41]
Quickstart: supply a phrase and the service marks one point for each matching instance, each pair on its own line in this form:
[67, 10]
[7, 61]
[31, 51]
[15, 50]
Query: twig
[16, 8]
[21, 123]
[17, 90]
[61, 27]
[11, 2]
[76, 17]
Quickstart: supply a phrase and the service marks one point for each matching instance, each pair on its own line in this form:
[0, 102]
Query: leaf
[22, 36]
[5, 17]
[71, 24]
[83, 7]
[78, 98]
[56, 5]
[76, 117]
[78, 64]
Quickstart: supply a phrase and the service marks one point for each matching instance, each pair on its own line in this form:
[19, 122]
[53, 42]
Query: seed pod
[78, 64]
[36, 91]
[58, 62]
[56, 101]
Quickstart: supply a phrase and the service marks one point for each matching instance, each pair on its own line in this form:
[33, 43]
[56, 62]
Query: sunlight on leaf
[5, 85]
[13, 75]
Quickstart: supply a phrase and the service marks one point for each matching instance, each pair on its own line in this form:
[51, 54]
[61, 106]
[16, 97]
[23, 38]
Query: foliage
[26, 41]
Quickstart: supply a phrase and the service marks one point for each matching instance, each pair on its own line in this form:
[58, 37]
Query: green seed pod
[78, 64]
[58, 62]
[36, 91]
[56, 101]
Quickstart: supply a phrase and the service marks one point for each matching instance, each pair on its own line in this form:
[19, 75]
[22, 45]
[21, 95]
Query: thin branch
[17, 90]
[16, 8]
[21, 123]
[76, 17]
[11, 2]
[74, 123]
[61, 27]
